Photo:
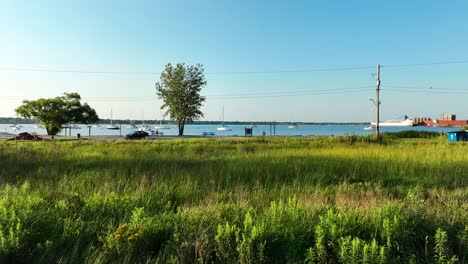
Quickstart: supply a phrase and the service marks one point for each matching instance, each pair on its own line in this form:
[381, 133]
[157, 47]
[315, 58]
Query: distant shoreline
[12, 120]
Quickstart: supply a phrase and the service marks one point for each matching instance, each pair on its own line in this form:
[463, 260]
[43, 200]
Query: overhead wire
[226, 96]
[260, 95]
[30, 69]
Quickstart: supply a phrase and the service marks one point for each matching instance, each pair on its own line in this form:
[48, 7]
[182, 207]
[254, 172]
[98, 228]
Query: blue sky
[260, 57]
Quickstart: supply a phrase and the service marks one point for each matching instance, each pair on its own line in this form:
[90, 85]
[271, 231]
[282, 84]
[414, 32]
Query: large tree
[179, 88]
[54, 112]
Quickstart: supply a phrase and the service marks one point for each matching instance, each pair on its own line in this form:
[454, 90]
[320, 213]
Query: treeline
[13, 120]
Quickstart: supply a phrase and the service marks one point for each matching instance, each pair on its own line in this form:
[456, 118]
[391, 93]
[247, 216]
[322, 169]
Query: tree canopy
[179, 88]
[54, 112]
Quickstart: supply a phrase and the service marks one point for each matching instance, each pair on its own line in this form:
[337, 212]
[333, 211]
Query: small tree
[179, 88]
[54, 112]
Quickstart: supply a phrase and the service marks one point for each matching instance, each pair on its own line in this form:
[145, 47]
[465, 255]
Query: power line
[429, 88]
[424, 64]
[27, 69]
[157, 73]
[425, 92]
[74, 71]
[292, 95]
[225, 96]
[310, 92]
[291, 71]
[294, 92]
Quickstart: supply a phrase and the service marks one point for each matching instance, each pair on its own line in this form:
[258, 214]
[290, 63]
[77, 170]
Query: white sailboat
[16, 126]
[132, 125]
[293, 125]
[223, 127]
[161, 125]
[112, 126]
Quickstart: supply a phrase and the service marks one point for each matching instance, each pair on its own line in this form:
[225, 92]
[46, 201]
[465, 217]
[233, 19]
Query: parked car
[26, 136]
[137, 135]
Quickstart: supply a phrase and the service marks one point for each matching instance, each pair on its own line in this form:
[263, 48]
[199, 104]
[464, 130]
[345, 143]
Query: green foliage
[355, 250]
[463, 244]
[252, 243]
[179, 88]
[320, 200]
[412, 134]
[24, 224]
[441, 248]
[227, 239]
[54, 112]
[141, 236]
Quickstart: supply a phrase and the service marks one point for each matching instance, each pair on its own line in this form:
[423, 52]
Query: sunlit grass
[321, 200]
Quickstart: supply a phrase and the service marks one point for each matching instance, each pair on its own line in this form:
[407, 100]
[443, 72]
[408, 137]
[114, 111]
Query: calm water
[281, 130]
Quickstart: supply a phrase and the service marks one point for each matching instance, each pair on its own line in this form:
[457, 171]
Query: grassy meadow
[258, 200]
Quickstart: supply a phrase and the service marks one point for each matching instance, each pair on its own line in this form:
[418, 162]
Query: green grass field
[310, 200]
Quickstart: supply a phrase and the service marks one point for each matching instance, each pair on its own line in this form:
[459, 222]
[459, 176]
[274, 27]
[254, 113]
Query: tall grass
[321, 200]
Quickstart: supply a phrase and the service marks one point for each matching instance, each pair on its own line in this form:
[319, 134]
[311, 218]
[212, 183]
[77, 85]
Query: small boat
[16, 126]
[223, 127]
[145, 128]
[132, 126]
[369, 128]
[112, 126]
[71, 126]
[290, 126]
[162, 126]
[395, 123]
[148, 130]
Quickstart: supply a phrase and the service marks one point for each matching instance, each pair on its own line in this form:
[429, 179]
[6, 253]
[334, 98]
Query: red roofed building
[430, 122]
[452, 123]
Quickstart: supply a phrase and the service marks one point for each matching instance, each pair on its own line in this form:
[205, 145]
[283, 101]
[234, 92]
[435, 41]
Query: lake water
[195, 129]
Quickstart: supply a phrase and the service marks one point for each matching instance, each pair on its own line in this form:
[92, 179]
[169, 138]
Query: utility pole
[377, 102]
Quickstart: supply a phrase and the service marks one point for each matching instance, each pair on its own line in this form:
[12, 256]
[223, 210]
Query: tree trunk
[181, 127]
[51, 130]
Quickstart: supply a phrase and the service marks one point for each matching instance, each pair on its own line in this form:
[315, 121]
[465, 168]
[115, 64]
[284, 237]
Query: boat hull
[405, 123]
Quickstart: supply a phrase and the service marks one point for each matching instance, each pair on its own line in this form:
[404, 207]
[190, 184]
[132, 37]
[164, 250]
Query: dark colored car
[137, 135]
[26, 136]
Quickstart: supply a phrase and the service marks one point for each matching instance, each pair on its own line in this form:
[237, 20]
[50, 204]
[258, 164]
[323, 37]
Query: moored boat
[395, 123]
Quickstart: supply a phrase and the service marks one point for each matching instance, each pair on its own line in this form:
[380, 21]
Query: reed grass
[287, 200]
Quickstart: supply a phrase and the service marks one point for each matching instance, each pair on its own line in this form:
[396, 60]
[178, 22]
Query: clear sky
[264, 60]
